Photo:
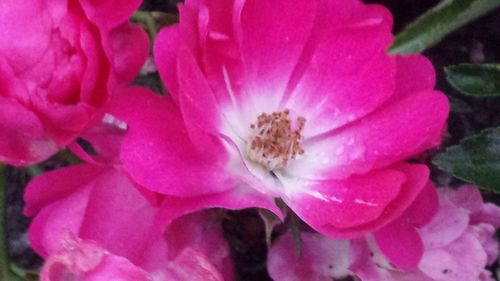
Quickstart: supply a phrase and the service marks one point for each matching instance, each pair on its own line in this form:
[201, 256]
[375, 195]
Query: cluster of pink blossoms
[296, 100]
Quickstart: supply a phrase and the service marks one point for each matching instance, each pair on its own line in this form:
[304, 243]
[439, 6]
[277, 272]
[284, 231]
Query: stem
[147, 19]
[5, 273]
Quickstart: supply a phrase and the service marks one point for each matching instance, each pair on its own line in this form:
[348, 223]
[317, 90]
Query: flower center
[275, 140]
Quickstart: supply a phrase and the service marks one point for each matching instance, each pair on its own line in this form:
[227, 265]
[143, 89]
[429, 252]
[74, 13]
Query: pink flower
[458, 243]
[59, 62]
[93, 223]
[292, 100]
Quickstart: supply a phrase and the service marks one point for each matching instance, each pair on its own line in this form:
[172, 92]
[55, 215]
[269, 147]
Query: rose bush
[309, 108]
[60, 61]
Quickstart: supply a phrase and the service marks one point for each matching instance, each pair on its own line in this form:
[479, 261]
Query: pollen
[275, 139]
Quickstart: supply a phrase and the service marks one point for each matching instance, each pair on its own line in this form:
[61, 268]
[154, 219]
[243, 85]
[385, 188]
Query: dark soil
[476, 42]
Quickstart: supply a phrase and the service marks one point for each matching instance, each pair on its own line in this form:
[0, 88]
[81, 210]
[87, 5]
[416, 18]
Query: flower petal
[467, 197]
[424, 208]
[341, 81]
[110, 13]
[165, 55]
[401, 244]
[157, 151]
[32, 39]
[23, 138]
[118, 217]
[235, 199]
[462, 260]
[84, 261]
[414, 73]
[194, 265]
[54, 221]
[128, 47]
[197, 102]
[54, 185]
[448, 225]
[348, 203]
[401, 129]
[350, 207]
[271, 49]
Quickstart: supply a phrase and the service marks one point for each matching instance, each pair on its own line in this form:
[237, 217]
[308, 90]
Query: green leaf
[476, 160]
[477, 80]
[436, 23]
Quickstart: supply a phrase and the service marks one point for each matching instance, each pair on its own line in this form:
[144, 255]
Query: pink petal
[23, 138]
[118, 217]
[322, 258]
[193, 265]
[197, 101]
[234, 199]
[341, 81]
[116, 268]
[31, 39]
[219, 53]
[367, 268]
[55, 185]
[106, 139]
[84, 261]
[54, 221]
[361, 203]
[395, 132]
[424, 208]
[462, 260]
[200, 231]
[271, 49]
[165, 55]
[399, 241]
[486, 275]
[110, 13]
[467, 196]
[485, 234]
[414, 73]
[94, 79]
[128, 48]
[489, 213]
[157, 151]
[348, 203]
[401, 244]
[447, 225]
[63, 122]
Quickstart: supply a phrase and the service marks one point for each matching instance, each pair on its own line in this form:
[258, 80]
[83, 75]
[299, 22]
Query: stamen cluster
[274, 142]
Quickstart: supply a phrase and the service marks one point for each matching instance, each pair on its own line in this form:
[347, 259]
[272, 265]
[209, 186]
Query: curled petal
[110, 13]
[347, 208]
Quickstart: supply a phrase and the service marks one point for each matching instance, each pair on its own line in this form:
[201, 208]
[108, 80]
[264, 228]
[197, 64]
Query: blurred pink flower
[457, 242]
[59, 62]
[297, 100]
[93, 223]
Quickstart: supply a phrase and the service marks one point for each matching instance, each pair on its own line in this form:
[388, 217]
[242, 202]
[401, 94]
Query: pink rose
[297, 100]
[455, 244]
[458, 243]
[93, 223]
[59, 62]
